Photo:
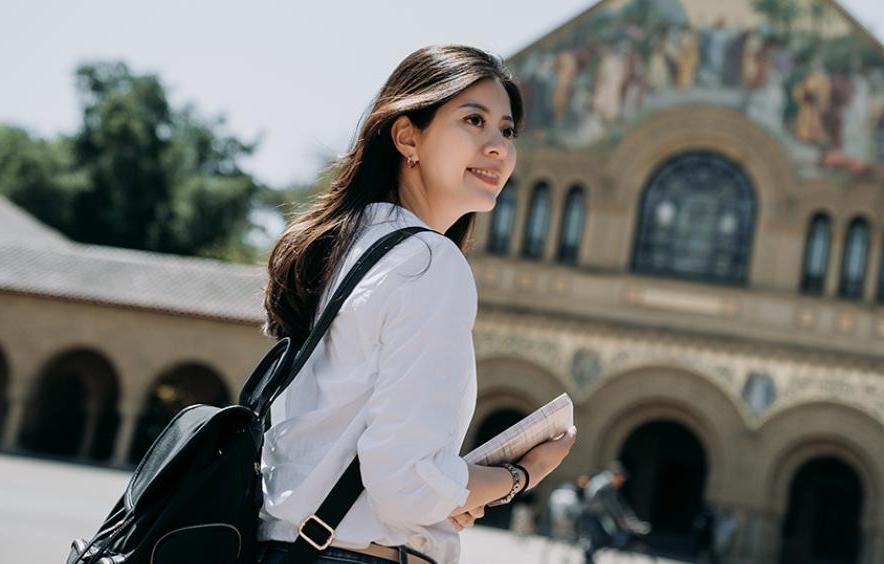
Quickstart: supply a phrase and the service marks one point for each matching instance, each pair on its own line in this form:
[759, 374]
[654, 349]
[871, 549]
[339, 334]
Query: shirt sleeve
[409, 450]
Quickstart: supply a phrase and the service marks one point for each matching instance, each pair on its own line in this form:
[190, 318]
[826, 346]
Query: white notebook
[546, 423]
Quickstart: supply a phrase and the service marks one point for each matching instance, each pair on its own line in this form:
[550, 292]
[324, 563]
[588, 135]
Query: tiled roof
[18, 226]
[60, 268]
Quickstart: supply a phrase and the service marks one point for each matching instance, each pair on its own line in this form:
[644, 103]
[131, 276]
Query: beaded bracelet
[508, 497]
[527, 477]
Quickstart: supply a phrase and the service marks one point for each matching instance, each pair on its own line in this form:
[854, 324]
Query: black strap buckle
[315, 544]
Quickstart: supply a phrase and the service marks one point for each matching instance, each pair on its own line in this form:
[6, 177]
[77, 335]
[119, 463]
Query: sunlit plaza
[47, 504]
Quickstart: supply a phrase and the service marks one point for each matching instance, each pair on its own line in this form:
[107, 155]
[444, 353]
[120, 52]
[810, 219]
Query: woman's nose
[497, 146]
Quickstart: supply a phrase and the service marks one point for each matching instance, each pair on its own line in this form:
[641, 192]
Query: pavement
[46, 504]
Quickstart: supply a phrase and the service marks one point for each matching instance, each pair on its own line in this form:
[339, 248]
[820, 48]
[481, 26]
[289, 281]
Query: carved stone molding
[584, 357]
[535, 348]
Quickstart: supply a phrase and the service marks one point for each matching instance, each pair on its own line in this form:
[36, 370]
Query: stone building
[99, 346]
[690, 246]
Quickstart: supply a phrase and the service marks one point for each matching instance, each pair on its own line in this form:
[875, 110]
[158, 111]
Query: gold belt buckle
[317, 546]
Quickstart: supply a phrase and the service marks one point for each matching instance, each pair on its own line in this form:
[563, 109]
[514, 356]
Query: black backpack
[195, 495]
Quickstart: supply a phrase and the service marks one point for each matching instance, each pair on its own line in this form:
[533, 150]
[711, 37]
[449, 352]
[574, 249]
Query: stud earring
[411, 162]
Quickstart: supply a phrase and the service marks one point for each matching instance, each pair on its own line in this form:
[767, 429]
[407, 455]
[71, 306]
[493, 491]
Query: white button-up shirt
[394, 381]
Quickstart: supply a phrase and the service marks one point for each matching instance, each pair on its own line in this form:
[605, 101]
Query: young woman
[394, 379]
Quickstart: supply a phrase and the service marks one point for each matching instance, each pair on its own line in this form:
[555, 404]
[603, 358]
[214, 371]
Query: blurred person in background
[609, 521]
[563, 510]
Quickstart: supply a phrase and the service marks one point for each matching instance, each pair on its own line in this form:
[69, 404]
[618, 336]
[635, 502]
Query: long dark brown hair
[303, 259]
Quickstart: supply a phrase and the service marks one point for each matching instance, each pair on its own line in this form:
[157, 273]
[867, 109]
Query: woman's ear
[404, 135]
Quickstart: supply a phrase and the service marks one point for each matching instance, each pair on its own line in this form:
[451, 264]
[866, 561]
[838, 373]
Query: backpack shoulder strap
[317, 531]
[283, 361]
[282, 379]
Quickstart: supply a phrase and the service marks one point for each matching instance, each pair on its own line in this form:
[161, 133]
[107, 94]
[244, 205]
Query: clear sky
[297, 72]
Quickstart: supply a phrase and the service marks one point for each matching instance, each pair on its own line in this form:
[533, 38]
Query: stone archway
[626, 401]
[799, 435]
[181, 386]
[667, 464]
[72, 411]
[822, 523]
[523, 381]
[683, 407]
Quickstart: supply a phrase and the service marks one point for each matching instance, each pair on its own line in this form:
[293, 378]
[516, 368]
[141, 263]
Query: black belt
[406, 555]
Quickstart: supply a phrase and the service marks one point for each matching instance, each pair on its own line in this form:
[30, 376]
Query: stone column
[872, 547]
[523, 200]
[88, 438]
[126, 433]
[556, 212]
[12, 425]
[870, 290]
[17, 402]
[756, 539]
[836, 251]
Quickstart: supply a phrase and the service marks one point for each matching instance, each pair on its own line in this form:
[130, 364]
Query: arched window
[816, 254]
[573, 220]
[696, 221]
[855, 260]
[502, 219]
[537, 225]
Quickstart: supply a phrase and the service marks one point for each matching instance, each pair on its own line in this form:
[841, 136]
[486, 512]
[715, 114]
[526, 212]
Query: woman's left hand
[467, 519]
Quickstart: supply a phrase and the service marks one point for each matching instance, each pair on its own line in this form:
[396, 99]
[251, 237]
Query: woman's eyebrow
[484, 109]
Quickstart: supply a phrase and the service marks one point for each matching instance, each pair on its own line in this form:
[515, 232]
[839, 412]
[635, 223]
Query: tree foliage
[138, 174]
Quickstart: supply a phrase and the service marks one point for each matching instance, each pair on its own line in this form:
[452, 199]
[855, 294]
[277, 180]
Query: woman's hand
[488, 484]
[541, 460]
[467, 519]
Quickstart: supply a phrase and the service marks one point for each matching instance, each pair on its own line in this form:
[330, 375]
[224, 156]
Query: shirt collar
[382, 212]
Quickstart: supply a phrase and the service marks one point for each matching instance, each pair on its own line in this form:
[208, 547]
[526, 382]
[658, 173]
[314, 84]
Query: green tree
[40, 176]
[123, 147]
[161, 179]
[213, 196]
[138, 174]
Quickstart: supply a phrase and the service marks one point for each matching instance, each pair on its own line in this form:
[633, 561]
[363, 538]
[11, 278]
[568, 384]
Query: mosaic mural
[799, 68]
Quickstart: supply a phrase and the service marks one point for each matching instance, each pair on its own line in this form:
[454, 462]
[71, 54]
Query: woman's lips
[486, 179]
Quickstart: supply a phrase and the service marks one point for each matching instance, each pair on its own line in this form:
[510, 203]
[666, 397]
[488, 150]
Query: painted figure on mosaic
[805, 72]
[812, 95]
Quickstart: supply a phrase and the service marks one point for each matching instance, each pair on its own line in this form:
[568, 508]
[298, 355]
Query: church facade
[690, 246]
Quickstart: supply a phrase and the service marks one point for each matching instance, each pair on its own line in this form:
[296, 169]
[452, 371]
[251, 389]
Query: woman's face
[466, 153]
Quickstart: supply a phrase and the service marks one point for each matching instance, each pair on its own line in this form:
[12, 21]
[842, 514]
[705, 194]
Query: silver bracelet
[509, 497]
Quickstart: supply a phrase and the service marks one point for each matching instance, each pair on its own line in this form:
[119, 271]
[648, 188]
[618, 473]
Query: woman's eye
[476, 120]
